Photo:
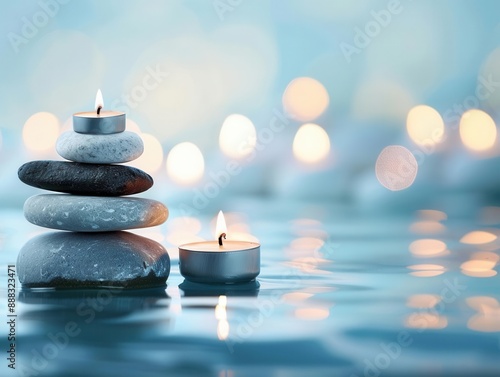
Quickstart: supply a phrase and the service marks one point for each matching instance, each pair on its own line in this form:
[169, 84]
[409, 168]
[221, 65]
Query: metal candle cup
[107, 122]
[208, 262]
[99, 122]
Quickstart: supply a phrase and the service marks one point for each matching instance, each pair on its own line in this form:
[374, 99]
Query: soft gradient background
[217, 58]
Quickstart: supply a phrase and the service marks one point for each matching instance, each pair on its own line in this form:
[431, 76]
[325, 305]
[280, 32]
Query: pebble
[85, 179]
[100, 149]
[83, 260]
[92, 213]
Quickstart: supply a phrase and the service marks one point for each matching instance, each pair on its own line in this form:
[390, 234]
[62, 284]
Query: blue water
[340, 293]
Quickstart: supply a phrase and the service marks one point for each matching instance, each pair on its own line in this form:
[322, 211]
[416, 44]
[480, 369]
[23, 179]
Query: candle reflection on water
[428, 316]
[481, 264]
[478, 237]
[487, 317]
[426, 270]
[221, 316]
[428, 248]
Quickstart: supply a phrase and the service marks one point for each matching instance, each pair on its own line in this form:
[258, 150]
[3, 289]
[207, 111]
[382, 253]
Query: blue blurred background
[353, 77]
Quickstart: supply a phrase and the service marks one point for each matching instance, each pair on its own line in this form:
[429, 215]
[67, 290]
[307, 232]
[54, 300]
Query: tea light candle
[99, 122]
[220, 262]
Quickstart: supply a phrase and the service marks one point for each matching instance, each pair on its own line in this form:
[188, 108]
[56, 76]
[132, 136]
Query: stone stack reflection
[94, 209]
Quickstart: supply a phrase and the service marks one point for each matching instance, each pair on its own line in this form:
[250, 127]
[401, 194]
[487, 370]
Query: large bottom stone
[93, 213]
[85, 179]
[81, 260]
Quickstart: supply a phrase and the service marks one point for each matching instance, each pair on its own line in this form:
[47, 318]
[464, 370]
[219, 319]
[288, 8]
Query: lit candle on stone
[220, 261]
[100, 122]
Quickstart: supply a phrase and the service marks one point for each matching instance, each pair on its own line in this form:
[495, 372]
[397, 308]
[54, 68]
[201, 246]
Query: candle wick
[99, 110]
[220, 238]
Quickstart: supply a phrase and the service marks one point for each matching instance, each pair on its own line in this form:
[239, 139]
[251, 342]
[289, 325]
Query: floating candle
[220, 262]
[99, 122]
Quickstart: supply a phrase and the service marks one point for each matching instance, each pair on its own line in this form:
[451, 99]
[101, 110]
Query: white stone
[100, 149]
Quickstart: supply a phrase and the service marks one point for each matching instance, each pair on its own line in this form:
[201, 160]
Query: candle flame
[99, 101]
[220, 226]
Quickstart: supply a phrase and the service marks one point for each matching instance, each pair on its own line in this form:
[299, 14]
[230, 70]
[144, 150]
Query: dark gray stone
[81, 260]
[93, 213]
[85, 179]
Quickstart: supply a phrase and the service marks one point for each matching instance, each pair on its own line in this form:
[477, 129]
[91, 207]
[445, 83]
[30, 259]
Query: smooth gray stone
[80, 260]
[93, 213]
[100, 149]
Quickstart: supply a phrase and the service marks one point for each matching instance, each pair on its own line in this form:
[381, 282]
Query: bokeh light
[311, 144]
[237, 136]
[477, 130]
[151, 159]
[424, 125]
[185, 164]
[40, 132]
[305, 99]
[132, 126]
[396, 168]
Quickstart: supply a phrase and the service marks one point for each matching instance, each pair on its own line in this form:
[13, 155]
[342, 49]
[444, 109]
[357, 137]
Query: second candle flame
[220, 227]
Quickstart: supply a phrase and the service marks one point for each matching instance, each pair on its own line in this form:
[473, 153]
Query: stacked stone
[94, 206]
